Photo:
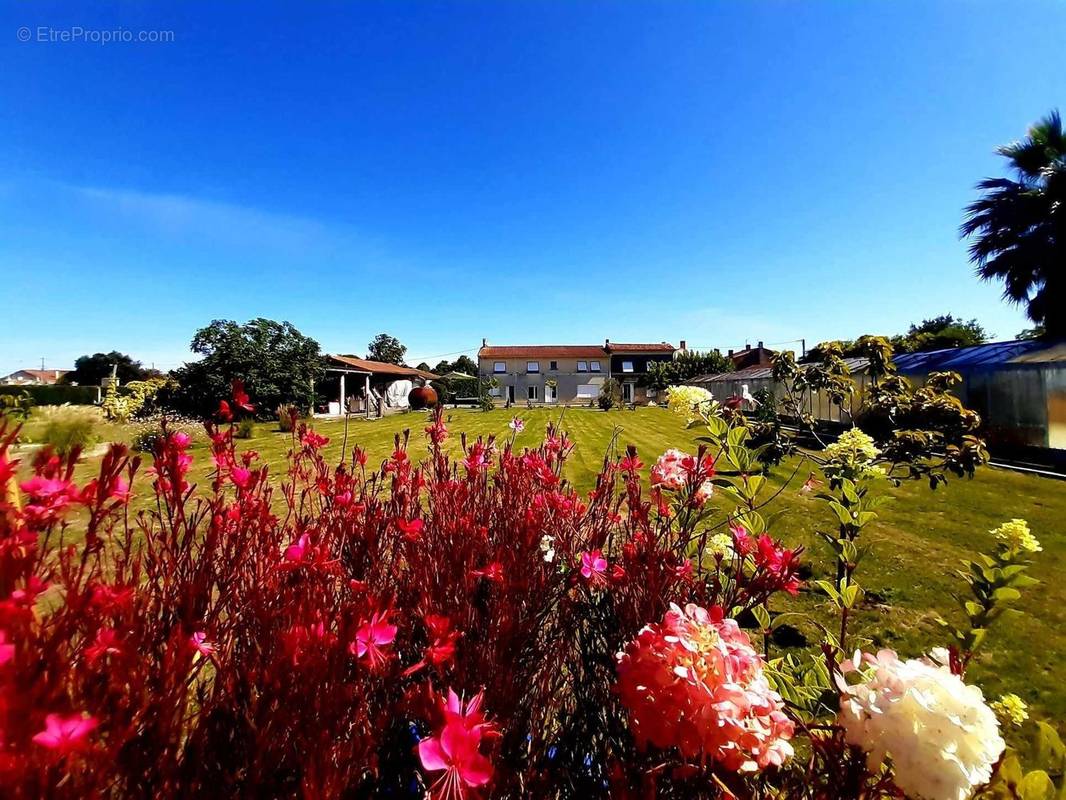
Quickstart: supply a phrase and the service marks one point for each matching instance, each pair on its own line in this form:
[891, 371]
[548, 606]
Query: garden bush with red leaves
[423, 625]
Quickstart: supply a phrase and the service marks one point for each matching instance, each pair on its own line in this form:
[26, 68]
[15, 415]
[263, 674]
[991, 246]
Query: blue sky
[555, 171]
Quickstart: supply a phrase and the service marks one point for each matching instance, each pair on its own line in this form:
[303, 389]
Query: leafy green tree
[1018, 226]
[1037, 332]
[422, 365]
[277, 363]
[686, 364]
[940, 333]
[386, 348]
[90, 370]
[464, 364]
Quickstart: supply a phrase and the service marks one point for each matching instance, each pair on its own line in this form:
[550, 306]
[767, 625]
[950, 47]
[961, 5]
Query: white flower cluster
[941, 736]
[690, 401]
[854, 450]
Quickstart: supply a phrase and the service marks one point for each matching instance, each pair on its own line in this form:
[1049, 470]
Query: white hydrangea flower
[1017, 536]
[690, 401]
[941, 736]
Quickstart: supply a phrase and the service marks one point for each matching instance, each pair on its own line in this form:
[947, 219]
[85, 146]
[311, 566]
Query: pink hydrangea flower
[694, 682]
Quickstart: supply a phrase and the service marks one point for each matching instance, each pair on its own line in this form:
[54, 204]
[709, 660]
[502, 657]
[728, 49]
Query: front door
[510, 395]
[549, 393]
[627, 393]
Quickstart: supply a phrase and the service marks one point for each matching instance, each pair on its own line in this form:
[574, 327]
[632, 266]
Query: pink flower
[693, 681]
[180, 439]
[241, 477]
[201, 645]
[593, 566]
[517, 425]
[456, 749]
[297, 552]
[65, 734]
[7, 651]
[47, 498]
[668, 472]
[373, 636]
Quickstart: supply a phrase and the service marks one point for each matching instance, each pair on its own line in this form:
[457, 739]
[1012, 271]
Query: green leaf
[1036, 785]
[762, 616]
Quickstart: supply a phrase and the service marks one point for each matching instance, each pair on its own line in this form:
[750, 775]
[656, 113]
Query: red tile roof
[543, 351]
[42, 375]
[623, 347]
[570, 350]
[383, 368]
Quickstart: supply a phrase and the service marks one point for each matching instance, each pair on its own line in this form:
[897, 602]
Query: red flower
[107, 643]
[65, 734]
[224, 413]
[493, 572]
[411, 529]
[456, 749]
[314, 440]
[240, 397]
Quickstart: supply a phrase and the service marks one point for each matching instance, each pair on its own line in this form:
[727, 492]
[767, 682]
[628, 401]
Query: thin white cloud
[226, 223]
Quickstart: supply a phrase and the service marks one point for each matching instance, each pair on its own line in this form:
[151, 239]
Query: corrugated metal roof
[978, 357]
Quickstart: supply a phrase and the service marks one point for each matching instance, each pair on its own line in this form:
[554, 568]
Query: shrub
[70, 427]
[245, 428]
[466, 627]
[55, 394]
[610, 394]
[288, 416]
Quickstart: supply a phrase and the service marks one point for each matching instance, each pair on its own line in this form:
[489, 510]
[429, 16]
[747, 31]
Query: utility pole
[42, 363]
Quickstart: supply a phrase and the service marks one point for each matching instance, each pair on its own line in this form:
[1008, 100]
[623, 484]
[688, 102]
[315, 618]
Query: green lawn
[919, 539]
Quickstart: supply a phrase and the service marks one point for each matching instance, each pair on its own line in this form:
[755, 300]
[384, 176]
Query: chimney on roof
[730, 352]
[484, 342]
[747, 345]
[717, 352]
[683, 345]
[760, 344]
[606, 343]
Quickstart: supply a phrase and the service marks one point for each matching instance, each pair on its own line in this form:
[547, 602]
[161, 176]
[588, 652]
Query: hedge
[54, 394]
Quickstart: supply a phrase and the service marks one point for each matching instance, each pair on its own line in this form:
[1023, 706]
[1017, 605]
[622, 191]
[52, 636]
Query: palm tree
[1019, 226]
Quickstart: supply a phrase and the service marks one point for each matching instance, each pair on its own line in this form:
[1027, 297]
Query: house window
[532, 392]
[582, 366]
[499, 366]
[553, 365]
[594, 366]
[532, 366]
[627, 366]
[588, 390]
